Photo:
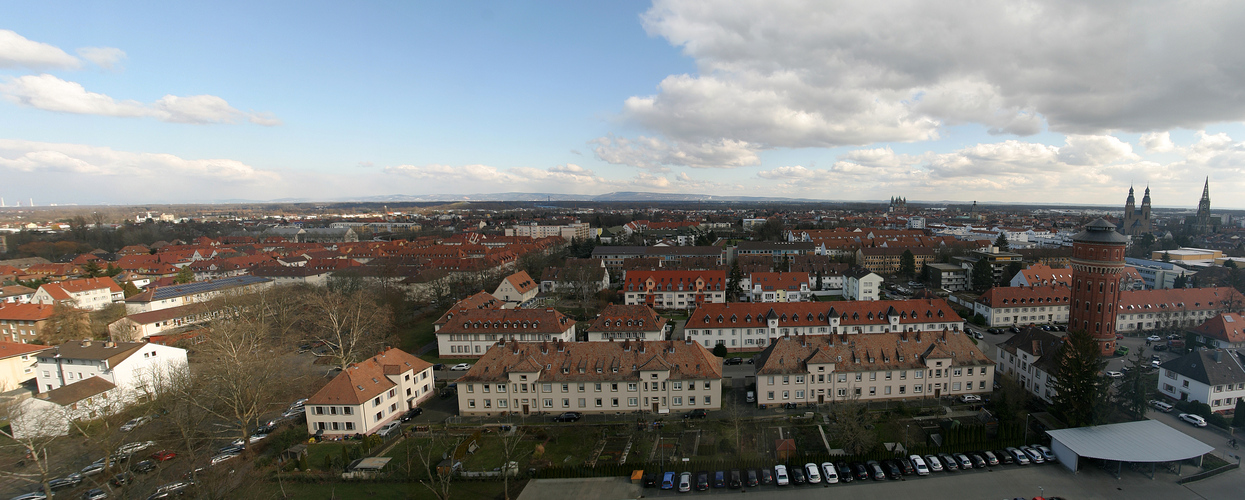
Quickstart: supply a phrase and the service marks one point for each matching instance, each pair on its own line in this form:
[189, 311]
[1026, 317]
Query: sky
[1040, 101]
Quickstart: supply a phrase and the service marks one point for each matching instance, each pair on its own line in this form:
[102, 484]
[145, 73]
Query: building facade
[1174, 309]
[862, 284]
[779, 287]
[1215, 377]
[517, 288]
[22, 323]
[674, 289]
[1031, 358]
[471, 332]
[622, 322]
[592, 377]
[369, 394]
[1017, 306]
[892, 366]
[91, 294]
[18, 363]
[135, 368]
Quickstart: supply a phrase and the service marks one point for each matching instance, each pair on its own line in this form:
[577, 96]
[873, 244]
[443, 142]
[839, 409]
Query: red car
[164, 455]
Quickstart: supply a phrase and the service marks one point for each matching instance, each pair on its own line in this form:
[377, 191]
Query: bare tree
[67, 323]
[33, 428]
[436, 478]
[509, 448]
[849, 427]
[242, 382]
[352, 326]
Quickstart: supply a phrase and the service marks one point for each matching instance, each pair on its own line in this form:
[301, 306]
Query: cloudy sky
[1047, 101]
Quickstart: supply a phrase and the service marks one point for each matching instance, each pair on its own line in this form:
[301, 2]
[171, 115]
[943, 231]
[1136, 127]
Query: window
[346, 410]
[472, 388]
[598, 388]
[548, 403]
[708, 385]
[501, 387]
[546, 387]
[631, 387]
[902, 388]
[770, 395]
[598, 401]
[786, 394]
[501, 403]
[842, 377]
[707, 401]
[955, 386]
[632, 402]
[378, 416]
[582, 402]
[859, 376]
[873, 376]
[873, 391]
[842, 393]
[566, 387]
[376, 402]
[799, 379]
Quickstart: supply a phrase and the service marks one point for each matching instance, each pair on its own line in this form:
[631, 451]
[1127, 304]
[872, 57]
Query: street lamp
[1027, 415]
[905, 437]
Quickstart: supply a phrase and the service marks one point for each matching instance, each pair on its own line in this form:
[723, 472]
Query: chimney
[1215, 354]
[86, 343]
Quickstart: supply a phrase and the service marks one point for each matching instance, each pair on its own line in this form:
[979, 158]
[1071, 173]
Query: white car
[1114, 374]
[134, 423]
[1034, 455]
[934, 463]
[811, 471]
[685, 482]
[131, 448]
[1196, 420]
[919, 464]
[970, 398]
[461, 367]
[1046, 452]
[1154, 338]
[780, 475]
[388, 429]
[222, 457]
[828, 473]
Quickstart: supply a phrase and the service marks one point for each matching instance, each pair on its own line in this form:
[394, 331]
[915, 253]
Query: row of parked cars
[829, 473]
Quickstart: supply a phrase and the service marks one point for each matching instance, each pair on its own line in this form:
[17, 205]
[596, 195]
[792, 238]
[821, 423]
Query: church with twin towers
[1137, 222]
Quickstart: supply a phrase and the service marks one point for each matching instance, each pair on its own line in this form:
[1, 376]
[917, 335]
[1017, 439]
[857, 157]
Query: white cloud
[816, 73]
[50, 93]
[657, 155]
[104, 57]
[1095, 150]
[102, 162]
[1158, 142]
[16, 51]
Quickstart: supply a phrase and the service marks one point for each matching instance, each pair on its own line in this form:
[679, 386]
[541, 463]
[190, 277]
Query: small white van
[1161, 406]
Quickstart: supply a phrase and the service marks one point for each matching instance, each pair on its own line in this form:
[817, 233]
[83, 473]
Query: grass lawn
[317, 452]
[570, 445]
[418, 333]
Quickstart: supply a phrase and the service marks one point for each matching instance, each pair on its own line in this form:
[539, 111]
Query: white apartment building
[861, 284]
[133, 367]
[1175, 308]
[157, 298]
[823, 369]
[88, 293]
[369, 394]
[471, 332]
[1029, 305]
[579, 230]
[742, 326]
[592, 377]
[778, 287]
[1215, 377]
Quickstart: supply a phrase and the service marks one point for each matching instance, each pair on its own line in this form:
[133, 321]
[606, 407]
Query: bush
[720, 350]
[1217, 420]
[978, 320]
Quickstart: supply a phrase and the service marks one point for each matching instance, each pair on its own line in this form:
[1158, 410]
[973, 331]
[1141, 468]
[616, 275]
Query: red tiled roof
[867, 352]
[591, 361]
[367, 379]
[10, 349]
[628, 318]
[481, 300]
[25, 312]
[507, 321]
[1018, 296]
[1226, 327]
[779, 281]
[522, 282]
[1177, 299]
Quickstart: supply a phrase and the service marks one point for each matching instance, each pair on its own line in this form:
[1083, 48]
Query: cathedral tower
[1097, 263]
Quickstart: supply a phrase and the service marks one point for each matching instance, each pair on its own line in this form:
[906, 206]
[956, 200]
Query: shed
[784, 448]
[1144, 441]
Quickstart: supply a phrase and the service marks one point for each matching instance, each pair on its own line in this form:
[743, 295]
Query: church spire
[1203, 206]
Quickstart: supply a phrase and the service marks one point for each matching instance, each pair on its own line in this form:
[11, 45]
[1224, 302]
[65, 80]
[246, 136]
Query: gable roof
[508, 321]
[11, 349]
[628, 318]
[25, 312]
[1039, 343]
[595, 361]
[1179, 299]
[1225, 327]
[368, 378]
[113, 352]
[480, 300]
[1211, 367]
[77, 391]
[1015, 296]
[791, 354]
[521, 282]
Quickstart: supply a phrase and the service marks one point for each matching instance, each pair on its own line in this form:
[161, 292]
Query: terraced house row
[753, 326]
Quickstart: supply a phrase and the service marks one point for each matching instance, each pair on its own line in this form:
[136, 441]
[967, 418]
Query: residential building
[134, 367]
[775, 249]
[140, 327]
[889, 366]
[949, 277]
[861, 284]
[517, 288]
[16, 294]
[743, 326]
[590, 272]
[51, 413]
[22, 323]
[472, 331]
[888, 260]
[1031, 358]
[997, 259]
[156, 298]
[1224, 331]
[779, 287]
[575, 230]
[592, 377]
[621, 322]
[369, 394]
[1214, 376]
[292, 275]
[1042, 275]
[1177, 308]
[17, 363]
[1156, 273]
[91, 294]
[1019, 306]
[674, 289]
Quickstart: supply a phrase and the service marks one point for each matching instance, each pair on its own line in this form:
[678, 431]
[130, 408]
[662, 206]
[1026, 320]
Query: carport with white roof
[1145, 442]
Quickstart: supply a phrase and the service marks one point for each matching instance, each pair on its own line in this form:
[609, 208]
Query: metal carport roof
[1141, 441]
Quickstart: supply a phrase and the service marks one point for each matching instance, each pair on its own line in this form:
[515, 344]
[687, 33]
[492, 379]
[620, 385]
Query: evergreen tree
[1009, 272]
[1134, 392]
[1166, 257]
[184, 275]
[983, 275]
[907, 264]
[733, 282]
[1002, 243]
[1080, 387]
[1238, 415]
[92, 270]
[1180, 282]
[720, 350]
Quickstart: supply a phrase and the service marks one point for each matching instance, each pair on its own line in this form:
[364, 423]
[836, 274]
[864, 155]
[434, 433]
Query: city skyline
[1049, 103]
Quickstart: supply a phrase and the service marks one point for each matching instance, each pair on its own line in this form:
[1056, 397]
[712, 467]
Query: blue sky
[160, 102]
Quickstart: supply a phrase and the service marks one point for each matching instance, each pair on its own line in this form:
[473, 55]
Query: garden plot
[615, 450]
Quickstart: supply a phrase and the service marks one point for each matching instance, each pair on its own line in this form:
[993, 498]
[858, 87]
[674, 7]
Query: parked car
[875, 470]
[134, 423]
[1154, 338]
[906, 463]
[123, 478]
[1047, 453]
[1004, 457]
[1121, 351]
[164, 455]
[991, 458]
[845, 472]
[919, 464]
[650, 479]
[702, 480]
[733, 361]
[667, 481]
[751, 397]
[697, 413]
[963, 461]
[949, 462]
[1021, 457]
[1034, 455]
[813, 472]
[767, 476]
[1196, 420]
[92, 469]
[94, 494]
[570, 416]
[861, 471]
[735, 479]
[797, 475]
[411, 413]
[233, 448]
[780, 475]
[934, 464]
[828, 473]
[970, 398]
[222, 457]
[144, 466]
[389, 428]
[131, 448]
[685, 482]
[1113, 374]
[892, 468]
[66, 482]
[979, 461]
[1159, 347]
[461, 367]
[170, 489]
[1161, 406]
[719, 479]
[751, 478]
[34, 495]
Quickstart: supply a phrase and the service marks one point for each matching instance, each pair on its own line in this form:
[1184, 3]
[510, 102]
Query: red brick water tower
[1097, 263]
